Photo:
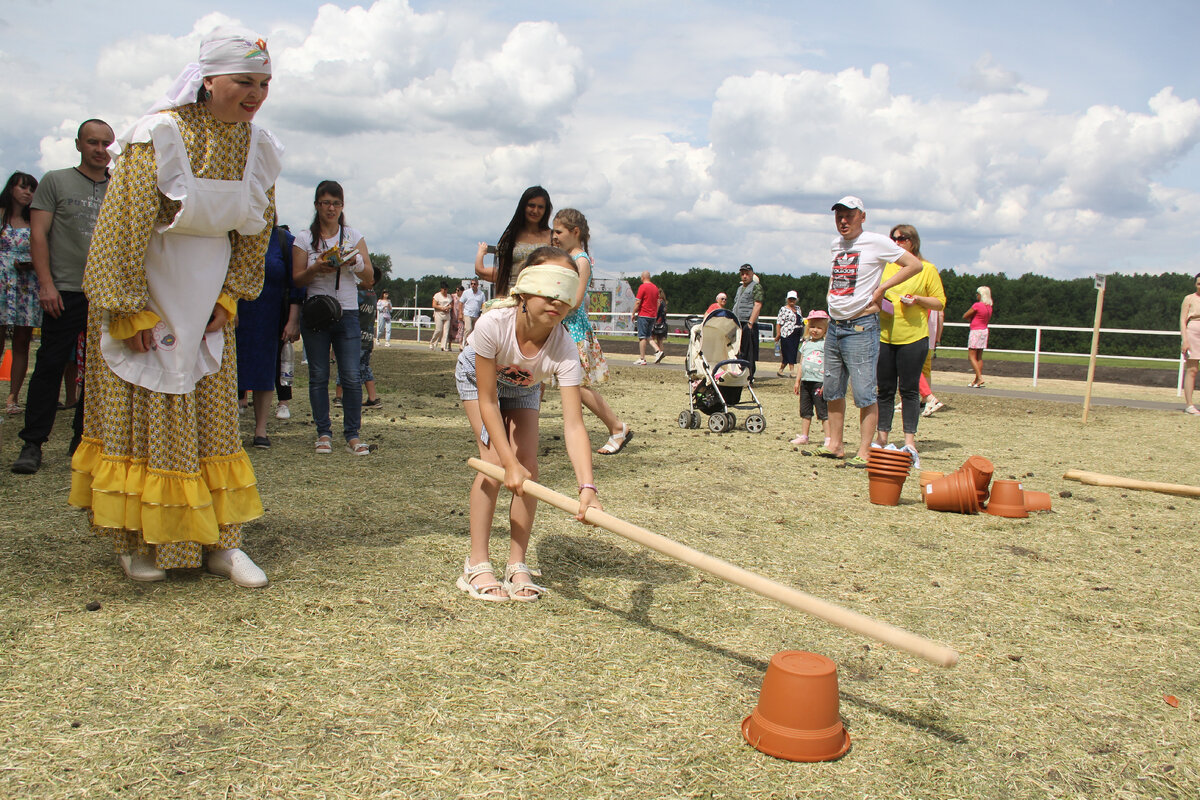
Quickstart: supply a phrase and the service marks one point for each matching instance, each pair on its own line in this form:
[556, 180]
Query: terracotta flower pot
[1007, 500]
[1037, 501]
[927, 476]
[797, 715]
[980, 469]
[954, 492]
[880, 455]
[887, 469]
[885, 489]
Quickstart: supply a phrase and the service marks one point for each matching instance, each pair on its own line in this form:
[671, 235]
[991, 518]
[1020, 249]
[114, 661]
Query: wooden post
[1087, 396]
[842, 617]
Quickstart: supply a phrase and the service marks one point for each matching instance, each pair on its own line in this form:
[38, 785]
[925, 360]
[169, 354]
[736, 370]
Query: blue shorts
[510, 397]
[852, 352]
[644, 324]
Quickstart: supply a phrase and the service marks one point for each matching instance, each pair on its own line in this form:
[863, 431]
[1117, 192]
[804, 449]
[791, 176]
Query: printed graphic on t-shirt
[845, 273]
[816, 357]
[513, 375]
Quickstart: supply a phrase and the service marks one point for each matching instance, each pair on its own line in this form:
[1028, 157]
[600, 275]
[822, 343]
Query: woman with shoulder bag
[327, 257]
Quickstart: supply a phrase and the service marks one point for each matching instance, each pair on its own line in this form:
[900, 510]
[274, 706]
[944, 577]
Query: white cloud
[679, 151]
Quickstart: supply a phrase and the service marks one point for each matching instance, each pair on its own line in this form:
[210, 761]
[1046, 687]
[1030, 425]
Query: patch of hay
[361, 671]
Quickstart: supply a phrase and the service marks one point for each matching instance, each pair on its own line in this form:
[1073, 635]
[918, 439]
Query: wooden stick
[1091, 373]
[1100, 479]
[842, 617]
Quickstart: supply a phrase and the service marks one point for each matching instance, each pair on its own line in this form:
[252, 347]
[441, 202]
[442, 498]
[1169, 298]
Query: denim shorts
[510, 397]
[852, 352]
[644, 324]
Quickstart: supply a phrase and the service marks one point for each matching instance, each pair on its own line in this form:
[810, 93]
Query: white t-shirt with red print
[857, 270]
[495, 337]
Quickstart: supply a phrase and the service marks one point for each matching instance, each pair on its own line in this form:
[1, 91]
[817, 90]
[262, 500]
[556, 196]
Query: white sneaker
[912, 451]
[140, 567]
[282, 412]
[641, 362]
[660, 356]
[237, 566]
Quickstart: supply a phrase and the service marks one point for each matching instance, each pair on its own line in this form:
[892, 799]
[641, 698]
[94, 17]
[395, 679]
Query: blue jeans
[343, 337]
[852, 351]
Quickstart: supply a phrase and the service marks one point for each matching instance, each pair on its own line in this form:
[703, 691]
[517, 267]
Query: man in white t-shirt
[852, 344]
[472, 300]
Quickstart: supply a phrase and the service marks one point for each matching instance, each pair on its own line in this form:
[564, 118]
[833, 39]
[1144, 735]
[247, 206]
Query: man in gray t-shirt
[64, 212]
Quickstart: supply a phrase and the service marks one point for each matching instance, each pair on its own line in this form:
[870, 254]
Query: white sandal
[616, 443]
[324, 445]
[486, 591]
[513, 588]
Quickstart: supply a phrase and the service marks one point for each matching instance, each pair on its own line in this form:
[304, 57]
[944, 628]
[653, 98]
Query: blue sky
[1018, 137]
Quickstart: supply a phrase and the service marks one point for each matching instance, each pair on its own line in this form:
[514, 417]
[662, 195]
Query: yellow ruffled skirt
[163, 470]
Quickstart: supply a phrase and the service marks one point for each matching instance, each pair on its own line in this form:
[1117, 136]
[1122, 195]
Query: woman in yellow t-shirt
[904, 340]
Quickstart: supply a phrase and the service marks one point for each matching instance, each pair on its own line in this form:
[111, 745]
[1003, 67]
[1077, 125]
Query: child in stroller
[716, 376]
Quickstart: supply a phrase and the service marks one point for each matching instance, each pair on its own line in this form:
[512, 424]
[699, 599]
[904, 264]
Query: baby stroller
[716, 376]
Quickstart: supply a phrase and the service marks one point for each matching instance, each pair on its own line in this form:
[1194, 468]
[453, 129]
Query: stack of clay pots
[967, 490]
[886, 472]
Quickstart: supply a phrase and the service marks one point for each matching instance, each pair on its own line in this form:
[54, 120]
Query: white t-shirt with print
[495, 337]
[857, 269]
[346, 293]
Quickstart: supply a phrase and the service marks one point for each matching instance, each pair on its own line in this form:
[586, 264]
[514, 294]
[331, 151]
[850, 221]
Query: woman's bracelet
[591, 486]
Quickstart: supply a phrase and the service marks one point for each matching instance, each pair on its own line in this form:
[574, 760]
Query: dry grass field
[361, 671]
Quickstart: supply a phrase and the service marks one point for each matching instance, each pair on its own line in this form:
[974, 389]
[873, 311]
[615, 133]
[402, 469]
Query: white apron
[186, 261]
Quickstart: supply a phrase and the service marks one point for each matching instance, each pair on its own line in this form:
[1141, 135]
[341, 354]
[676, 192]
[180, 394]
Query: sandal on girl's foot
[493, 591]
[801, 439]
[514, 588]
[324, 445]
[13, 408]
[360, 449]
[616, 443]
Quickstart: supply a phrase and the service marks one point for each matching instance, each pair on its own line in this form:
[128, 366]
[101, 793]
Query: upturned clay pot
[797, 716]
[1007, 500]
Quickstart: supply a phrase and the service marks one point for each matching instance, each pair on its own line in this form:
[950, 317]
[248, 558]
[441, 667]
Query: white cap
[849, 201]
[792, 295]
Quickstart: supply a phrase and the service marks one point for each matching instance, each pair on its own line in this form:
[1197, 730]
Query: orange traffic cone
[6, 366]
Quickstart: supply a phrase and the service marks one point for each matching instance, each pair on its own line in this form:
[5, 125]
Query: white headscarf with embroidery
[228, 50]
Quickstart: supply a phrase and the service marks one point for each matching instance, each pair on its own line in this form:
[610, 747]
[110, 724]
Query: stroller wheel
[685, 419]
[756, 423]
[718, 423]
[697, 420]
[730, 421]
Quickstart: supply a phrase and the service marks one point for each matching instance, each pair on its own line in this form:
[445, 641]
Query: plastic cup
[797, 717]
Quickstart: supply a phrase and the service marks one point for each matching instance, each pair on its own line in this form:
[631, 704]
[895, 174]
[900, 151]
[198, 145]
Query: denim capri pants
[511, 397]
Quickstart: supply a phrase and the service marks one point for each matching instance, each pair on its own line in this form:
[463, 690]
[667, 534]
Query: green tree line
[1139, 301]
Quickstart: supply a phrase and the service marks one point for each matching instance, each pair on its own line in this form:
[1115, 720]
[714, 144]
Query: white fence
[604, 324]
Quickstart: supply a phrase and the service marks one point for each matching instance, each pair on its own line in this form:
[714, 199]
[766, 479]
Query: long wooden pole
[1100, 479]
[1087, 395]
[842, 617]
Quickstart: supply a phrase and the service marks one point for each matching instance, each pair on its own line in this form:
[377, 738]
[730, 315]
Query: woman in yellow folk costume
[180, 239]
